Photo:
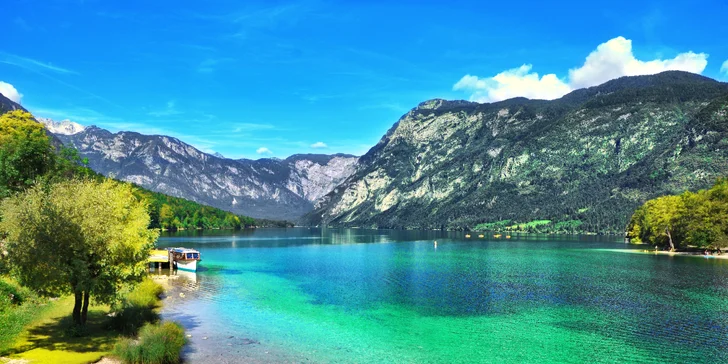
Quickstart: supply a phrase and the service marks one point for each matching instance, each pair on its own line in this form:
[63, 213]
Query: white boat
[185, 259]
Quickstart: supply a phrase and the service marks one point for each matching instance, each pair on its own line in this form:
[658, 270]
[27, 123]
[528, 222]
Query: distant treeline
[689, 220]
[28, 156]
[174, 213]
[536, 226]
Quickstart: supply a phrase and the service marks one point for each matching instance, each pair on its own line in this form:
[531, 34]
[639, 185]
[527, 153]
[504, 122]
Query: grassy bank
[41, 330]
[50, 339]
[18, 308]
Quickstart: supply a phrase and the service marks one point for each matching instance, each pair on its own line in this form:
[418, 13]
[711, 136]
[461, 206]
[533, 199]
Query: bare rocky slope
[583, 162]
[264, 188]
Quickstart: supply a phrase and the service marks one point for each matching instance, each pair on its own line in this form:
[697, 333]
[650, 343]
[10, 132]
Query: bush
[137, 308]
[157, 344]
[146, 294]
[11, 294]
[18, 307]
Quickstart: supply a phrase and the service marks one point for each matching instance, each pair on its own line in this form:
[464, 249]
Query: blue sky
[258, 79]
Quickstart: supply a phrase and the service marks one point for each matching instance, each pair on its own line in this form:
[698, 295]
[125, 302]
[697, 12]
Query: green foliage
[173, 213]
[145, 294]
[26, 153]
[10, 294]
[157, 344]
[77, 237]
[689, 220]
[137, 308]
[536, 226]
[18, 307]
[493, 226]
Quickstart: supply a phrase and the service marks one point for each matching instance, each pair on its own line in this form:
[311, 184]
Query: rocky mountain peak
[63, 127]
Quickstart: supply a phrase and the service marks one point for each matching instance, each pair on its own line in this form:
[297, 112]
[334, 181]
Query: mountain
[583, 162]
[264, 188]
[65, 127]
[7, 105]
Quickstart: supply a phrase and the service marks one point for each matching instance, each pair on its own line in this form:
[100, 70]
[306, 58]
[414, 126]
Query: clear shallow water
[307, 295]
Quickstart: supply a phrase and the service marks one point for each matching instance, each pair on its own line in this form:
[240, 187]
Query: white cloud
[513, 83]
[610, 60]
[615, 59]
[319, 145]
[10, 92]
[264, 150]
[724, 67]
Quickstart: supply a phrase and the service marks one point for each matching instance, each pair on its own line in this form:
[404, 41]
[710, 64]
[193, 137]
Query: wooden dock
[160, 258]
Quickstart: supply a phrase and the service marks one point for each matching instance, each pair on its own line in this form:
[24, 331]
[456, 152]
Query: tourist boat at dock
[184, 259]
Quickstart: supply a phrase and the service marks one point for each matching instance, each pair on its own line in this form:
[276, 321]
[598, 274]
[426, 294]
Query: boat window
[189, 255]
[195, 255]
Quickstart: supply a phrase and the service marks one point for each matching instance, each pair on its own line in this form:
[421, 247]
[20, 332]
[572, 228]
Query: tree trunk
[669, 239]
[77, 308]
[84, 313]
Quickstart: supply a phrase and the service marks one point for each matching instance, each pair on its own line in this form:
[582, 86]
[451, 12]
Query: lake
[371, 296]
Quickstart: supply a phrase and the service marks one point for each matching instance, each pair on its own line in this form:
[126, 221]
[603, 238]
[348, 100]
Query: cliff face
[265, 188]
[591, 156]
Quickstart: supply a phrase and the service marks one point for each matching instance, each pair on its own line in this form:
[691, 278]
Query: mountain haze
[587, 159]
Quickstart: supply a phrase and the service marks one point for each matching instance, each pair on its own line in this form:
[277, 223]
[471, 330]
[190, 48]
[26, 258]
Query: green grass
[530, 225]
[16, 312]
[157, 344]
[41, 331]
[48, 338]
[138, 308]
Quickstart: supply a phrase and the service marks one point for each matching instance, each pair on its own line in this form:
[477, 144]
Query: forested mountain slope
[584, 161]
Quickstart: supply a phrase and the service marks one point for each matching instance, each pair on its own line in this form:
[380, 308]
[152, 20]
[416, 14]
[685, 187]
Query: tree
[77, 237]
[166, 215]
[706, 217]
[26, 153]
[656, 221]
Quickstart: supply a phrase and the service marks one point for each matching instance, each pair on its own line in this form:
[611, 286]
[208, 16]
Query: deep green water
[301, 295]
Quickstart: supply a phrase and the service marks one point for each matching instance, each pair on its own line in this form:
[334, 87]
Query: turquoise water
[307, 295]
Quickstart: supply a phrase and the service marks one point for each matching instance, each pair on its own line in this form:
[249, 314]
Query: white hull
[187, 265]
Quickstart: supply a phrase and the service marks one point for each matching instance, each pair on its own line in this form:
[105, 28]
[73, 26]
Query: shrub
[11, 294]
[137, 308]
[157, 344]
[146, 294]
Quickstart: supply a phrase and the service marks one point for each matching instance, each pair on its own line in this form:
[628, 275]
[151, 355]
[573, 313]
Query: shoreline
[684, 254]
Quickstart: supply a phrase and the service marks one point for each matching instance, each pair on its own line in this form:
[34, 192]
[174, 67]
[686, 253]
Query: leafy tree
[659, 220]
[77, 237]
[706, 218]
[26, 153]
[166, 215]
